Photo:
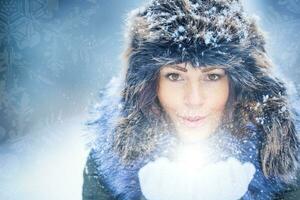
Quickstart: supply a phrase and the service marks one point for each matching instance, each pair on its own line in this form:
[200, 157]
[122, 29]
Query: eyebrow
[207, 69]
[178, 68]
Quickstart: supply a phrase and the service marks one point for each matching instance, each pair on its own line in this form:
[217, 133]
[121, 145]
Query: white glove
[225, 180]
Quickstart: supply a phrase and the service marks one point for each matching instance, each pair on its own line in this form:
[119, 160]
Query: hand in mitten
[225, 180]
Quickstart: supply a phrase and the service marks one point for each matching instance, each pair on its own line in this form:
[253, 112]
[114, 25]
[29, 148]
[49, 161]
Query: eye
[213, 77]
[174, 77]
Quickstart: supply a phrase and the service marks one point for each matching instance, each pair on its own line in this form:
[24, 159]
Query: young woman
[198, 113]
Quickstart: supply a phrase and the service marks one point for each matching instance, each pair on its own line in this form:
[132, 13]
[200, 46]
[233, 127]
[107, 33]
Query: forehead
[184, 67]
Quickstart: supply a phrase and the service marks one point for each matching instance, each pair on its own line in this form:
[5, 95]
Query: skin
[193, 98]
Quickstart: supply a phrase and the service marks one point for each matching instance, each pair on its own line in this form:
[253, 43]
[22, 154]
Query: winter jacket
[94, 189]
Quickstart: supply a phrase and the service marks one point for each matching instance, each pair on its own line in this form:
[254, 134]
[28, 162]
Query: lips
[192, 121]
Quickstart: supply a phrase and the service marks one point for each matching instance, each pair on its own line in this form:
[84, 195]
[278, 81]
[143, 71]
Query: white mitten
[226, 180]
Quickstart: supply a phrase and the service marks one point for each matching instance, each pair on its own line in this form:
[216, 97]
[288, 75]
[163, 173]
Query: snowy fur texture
[205, 33]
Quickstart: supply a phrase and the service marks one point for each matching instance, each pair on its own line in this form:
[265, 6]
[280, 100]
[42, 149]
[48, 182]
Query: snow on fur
[207, 22]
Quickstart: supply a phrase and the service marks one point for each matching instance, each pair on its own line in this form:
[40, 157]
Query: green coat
[93, 188]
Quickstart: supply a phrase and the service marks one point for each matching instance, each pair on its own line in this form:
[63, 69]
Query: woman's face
[193, 98]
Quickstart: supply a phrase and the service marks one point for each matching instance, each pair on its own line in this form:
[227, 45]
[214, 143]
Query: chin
[194, 134]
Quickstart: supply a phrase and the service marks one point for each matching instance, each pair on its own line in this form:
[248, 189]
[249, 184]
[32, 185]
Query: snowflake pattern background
[55, 55]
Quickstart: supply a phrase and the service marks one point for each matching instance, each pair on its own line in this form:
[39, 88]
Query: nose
[194, 94]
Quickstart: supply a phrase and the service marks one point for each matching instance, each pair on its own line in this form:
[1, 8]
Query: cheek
[216, 100]
[169, 96]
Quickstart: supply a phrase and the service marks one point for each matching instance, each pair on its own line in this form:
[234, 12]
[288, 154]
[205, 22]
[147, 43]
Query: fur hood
[204, 33]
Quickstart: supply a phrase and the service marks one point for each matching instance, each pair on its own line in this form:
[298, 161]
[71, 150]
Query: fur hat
[205, 33]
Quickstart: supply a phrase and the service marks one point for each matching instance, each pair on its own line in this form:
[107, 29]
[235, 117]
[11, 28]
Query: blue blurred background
[55, 55]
